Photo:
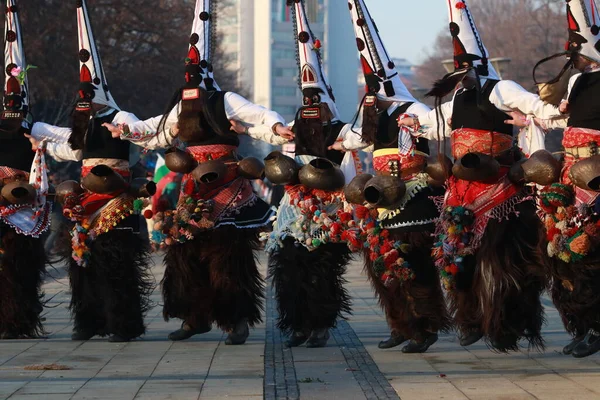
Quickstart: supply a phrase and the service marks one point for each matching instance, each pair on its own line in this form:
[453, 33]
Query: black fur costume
[110, 294]
[499, 291]
[413, 309]
[22, 268]
[310, 285]
[214, 278]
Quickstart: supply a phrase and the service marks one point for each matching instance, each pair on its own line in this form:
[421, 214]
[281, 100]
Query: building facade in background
[258, 37]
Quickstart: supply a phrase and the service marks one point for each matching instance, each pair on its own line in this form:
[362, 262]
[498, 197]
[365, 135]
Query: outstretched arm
[250, 114]
[263, 132]
[51, 133]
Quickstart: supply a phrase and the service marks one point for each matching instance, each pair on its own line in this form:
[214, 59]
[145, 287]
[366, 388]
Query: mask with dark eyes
[315, 99]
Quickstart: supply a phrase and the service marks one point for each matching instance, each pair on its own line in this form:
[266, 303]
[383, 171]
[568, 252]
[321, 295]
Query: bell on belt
[179, 161]
[142, 187]
[439, 168]
[18, 192]
[540, 168]
[476, 167]
[384, 191]
[102, 179]
[585, 174]
[210, 172]
[281, 169]
[251, 168]
[322, 174]
[65, 189]
[355, 190]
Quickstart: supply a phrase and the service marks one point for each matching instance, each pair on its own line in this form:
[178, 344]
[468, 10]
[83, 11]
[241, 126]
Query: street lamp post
[500, 64]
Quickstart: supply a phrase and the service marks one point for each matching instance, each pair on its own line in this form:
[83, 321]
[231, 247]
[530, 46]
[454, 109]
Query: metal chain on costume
[295, 24]
[213, 27]
[585, 12]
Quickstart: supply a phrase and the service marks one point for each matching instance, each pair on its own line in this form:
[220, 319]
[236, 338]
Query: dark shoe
[568, 349]
[239, 334]
[186, 332]
[470, 338]
[82, 336]
[296, 339]
[588, 346]
[415, 347]
[114, 338]
[393, 341]
[318, 338]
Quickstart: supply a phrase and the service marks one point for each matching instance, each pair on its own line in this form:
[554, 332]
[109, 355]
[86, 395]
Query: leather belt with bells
[394, 170]
[582, 152]
[232, 155]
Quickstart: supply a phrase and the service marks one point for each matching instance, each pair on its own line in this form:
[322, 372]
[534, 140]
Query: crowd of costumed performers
[466, 238]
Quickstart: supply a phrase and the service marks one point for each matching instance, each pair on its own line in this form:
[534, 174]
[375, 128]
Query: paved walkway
[350, 367]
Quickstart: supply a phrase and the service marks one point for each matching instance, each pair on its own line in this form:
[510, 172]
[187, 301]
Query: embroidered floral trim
[571, 230]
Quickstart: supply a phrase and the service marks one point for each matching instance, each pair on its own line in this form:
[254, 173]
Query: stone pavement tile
[39, 397]
[588, 381]
[9, 387]
[237, 371]
[42, 387]
[326, 380]
[105, 389]
[11, 348]
[430, 391]
[491, 388]
[72, 374]
[203, 397]
[559, 388]
[170, 390]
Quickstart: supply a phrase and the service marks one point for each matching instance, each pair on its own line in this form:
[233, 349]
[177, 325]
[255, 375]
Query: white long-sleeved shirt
[57, 137]
[559, 123]
[352, 138]
[506, 96]
[236, 108]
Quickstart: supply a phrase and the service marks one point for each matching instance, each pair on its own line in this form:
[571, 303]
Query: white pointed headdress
[16, 88]
[379, 69]
[199, 67]
[312, 75]
[94, 87]
[584, 28]
[469, 50]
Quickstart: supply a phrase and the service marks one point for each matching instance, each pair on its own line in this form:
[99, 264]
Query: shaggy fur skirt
[417, 308]
[214, 278]
[309, 285]
[575, 291]
[22, 267]
[111, 294]
[498, 292]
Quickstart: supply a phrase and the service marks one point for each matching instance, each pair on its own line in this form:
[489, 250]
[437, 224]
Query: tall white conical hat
[312, 75]
[380, 71]
[16, 94]
[584, 28]
[199, 67]
[94, 86]
[469, 50]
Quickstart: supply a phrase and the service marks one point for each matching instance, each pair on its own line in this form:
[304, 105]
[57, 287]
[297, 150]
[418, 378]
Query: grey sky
[409, 26]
